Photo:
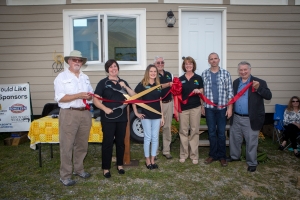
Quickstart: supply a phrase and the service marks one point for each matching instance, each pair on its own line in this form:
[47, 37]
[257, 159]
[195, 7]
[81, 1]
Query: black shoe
[149, 166]
[281, 148]
[107, 174]
[154, 166]
[120, 171]
[229, 159]
[297, 155]
[251, 169]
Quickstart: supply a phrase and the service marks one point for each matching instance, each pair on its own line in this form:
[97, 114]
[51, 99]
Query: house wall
[266, 36]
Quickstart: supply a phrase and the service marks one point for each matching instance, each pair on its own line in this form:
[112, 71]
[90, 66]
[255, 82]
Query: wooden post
[127, 161]
[127, 140]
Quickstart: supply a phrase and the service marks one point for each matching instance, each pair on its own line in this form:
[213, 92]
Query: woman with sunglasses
[114, 116]
[151, 121]
[291, 121]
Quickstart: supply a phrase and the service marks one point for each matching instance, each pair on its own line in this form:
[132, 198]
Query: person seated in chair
[291, 122]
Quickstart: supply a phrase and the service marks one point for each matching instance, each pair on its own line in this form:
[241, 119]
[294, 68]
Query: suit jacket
[256, 108]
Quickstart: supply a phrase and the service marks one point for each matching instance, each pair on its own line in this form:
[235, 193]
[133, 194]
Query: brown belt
[167, 101]
[80, 109]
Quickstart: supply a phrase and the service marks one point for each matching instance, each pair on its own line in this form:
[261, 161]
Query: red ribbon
[177, 88]
[87, 106]
[176, 91]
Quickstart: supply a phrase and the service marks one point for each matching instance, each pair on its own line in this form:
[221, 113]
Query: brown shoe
[209, 160]
[223, 162]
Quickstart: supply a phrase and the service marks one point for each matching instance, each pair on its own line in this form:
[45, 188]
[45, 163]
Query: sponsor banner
[15, 107]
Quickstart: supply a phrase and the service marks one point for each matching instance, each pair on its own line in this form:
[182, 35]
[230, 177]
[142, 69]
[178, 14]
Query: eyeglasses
[162, 62]
[295, 101]
[77, 60]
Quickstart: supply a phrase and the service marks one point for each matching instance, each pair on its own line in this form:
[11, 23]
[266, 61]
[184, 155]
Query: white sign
[15, 112]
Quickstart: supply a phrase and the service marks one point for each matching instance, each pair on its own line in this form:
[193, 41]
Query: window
[195, 1]
[33, 2]
[259, 2]
[107, 34]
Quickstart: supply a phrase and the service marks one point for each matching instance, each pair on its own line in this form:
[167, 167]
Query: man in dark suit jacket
[249, 115]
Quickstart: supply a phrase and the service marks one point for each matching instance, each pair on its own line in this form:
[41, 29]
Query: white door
[201, 34]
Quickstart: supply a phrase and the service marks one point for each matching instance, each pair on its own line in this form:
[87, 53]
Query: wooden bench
[205, 143]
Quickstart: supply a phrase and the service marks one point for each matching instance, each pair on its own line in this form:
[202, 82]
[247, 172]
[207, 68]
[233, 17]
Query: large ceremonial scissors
[118, 111]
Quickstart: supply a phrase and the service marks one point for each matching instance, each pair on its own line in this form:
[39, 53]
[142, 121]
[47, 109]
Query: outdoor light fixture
[170, 20]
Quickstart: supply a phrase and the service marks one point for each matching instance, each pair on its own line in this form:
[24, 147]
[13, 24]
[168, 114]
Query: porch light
[170, 20]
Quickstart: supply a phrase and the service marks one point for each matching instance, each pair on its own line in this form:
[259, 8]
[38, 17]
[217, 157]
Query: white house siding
[266, 36]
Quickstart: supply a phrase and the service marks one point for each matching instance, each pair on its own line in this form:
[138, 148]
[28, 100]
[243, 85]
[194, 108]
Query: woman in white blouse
[291, 120]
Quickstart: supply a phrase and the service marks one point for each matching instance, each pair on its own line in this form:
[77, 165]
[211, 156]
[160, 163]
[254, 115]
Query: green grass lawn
[22, 178]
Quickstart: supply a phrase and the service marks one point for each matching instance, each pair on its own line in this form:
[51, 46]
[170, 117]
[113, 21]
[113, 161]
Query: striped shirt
[225, 87]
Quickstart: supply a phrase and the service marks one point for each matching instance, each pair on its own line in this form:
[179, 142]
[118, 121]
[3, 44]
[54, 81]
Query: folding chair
[278, 122]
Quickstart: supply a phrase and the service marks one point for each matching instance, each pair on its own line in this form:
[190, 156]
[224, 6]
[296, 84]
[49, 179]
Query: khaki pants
[189, 120]
[167, 136]
[74, 131]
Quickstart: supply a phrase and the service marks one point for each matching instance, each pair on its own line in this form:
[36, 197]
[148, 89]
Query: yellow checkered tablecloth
[46, 130]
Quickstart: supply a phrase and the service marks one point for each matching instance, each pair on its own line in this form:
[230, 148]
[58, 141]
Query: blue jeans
[151, 132]
[216, 122]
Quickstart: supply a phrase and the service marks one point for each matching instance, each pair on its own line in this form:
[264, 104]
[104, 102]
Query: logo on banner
[24, 118]
[6, 125]
[17, 108]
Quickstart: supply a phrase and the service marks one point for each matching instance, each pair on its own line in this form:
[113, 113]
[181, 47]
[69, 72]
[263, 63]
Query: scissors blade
[126, 96]
[142, 93]
[148, 108]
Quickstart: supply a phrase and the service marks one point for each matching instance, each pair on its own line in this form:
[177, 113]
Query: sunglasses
[295, 101]
[162, 62]
[77, 60]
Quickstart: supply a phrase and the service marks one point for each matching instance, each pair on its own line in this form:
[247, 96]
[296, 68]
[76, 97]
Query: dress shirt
[68, 83]
[241, 105]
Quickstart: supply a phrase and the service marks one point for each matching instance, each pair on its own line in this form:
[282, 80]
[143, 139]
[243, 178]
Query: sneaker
[168, 156]
[67, 182]
[182, 160]
[195, 162]
[83, 174]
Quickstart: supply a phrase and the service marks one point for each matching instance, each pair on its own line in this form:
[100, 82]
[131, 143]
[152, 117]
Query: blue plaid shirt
[225, 87]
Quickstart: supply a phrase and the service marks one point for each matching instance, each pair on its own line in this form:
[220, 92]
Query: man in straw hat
[71, 87]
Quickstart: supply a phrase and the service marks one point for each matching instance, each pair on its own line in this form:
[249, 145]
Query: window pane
[122, 38]
[85, 33]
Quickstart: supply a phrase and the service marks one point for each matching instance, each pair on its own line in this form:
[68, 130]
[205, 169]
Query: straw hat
[76, 54]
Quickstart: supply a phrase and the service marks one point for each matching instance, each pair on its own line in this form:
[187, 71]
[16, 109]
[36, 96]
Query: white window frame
[259, 2]
[140, 64]
[195, 1]
[34, 2]
[114, 1]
